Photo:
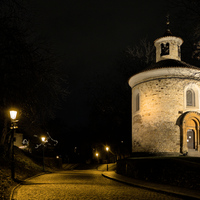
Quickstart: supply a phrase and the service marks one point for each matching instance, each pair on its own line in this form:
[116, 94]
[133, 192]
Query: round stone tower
[165, 103]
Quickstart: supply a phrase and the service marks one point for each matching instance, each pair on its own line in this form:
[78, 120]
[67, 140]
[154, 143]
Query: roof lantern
[168, 46]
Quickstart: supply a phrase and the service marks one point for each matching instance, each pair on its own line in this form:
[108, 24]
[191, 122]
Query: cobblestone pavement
[81, 184]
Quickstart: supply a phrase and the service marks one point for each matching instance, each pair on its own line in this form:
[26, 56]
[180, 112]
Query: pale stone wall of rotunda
[161, 102]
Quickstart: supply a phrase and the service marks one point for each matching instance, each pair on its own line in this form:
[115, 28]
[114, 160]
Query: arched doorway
[190, 133]
[190, 139]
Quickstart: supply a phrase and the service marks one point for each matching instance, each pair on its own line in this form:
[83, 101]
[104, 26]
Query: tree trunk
[4, 132]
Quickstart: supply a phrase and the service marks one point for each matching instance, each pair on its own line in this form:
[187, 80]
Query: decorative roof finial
[167, 21]
[167, 32]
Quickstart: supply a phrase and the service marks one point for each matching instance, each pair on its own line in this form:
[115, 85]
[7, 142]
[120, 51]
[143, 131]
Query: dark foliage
[31, 79]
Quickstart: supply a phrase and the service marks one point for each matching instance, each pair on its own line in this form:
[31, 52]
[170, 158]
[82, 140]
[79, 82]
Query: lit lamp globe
[13, 114]
[43, 139]
[107, 148]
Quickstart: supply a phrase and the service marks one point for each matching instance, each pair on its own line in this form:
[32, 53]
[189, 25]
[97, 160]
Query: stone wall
[180, 171]
[154, 126]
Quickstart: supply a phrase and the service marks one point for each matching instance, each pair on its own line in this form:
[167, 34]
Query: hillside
[179, 171]
[25, 167]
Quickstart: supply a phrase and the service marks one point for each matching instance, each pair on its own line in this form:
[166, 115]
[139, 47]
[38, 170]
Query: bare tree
[185, 15]
[136, 58]
[111, 111]
[145, 51]
[31, 78]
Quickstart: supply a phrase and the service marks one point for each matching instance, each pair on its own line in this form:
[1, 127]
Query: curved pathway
[81, 184]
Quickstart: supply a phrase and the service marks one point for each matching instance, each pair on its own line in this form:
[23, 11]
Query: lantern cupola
[168, 46]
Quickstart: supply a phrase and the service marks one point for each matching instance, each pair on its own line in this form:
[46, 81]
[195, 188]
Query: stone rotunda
[166, 103]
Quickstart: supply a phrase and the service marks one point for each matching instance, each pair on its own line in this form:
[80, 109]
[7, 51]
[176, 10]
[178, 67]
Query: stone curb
[14, 190]
[152, 188]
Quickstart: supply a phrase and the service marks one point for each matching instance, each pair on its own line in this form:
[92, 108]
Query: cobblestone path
[81, 184]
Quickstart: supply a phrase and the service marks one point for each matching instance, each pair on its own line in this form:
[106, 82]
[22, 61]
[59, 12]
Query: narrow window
[190, 97]
[137, 102]
[164, 49]
[179, 51]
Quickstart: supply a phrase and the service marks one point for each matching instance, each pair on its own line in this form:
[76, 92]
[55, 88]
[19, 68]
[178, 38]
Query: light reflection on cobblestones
[88, 184]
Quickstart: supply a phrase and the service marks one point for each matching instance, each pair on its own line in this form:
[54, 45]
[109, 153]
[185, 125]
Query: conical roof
[165, 68]
[167, 33]
[171, 63]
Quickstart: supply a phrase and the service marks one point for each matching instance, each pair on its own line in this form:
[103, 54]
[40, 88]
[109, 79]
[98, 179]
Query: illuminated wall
[162, 100]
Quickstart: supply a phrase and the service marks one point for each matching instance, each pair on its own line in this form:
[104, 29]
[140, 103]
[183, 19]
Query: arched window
[179, 51]
[137, 102]
[164, 49]
[190, 98]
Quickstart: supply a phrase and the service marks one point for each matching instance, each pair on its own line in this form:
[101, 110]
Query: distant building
[166, 103]
[18, 139]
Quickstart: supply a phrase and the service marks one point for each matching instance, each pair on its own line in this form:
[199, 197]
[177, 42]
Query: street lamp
[13, 115]
[43, 142]
[43, 139]
[107, 149]
[97, 155]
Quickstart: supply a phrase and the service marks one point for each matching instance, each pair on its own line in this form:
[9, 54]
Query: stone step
[194, 153]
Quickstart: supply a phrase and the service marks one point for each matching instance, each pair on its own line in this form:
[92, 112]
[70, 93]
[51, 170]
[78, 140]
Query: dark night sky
[88, 36]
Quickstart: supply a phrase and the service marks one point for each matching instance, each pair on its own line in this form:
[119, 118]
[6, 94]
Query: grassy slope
[25, 167]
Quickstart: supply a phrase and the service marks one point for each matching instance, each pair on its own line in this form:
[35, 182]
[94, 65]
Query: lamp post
[107, 149]
[97, 155]
[43, 142]
[13, 115]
